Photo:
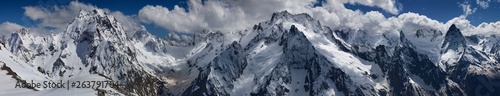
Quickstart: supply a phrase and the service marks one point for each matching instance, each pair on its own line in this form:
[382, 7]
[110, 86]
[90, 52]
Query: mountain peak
[294, 40]
[278, 15]
[141, 34]
[401, 35]
[95, 23]
[404, 40]
[453, 39]
[23, 31]
[294, 30]
[95, 12]
[453, 33]
[285, 15]
[453, 29]
[96, 15]
[453, 26]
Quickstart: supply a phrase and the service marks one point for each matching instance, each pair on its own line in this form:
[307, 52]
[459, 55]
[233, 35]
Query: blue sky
[440, 10]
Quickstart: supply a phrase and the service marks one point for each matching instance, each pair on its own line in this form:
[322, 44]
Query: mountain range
[290, 54]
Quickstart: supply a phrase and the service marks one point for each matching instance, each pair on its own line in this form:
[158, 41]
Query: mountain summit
[453, 39]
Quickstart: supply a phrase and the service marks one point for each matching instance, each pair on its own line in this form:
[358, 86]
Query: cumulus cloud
[7, 28]
[416, 20]
[177, 20]
[57, 18]
[130, 24]
[488, 28]
[224, 15]
[228, 15]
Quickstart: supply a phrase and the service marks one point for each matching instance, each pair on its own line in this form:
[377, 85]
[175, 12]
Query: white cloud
[228, 15]
[461, 23]
[483, 3]
[130, 24]
[487, 28]
[224, 15]
[466, 7]
[418, 21]
[177, 19]
[7, 28]
[58, 17]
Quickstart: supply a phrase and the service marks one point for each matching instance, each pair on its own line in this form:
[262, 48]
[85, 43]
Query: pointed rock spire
[453, 39]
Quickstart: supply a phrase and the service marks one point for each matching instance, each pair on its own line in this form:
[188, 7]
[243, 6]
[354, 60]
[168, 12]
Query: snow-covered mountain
[291, 54]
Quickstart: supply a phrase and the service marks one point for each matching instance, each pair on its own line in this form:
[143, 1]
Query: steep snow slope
[14, 71]
[427, 41]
